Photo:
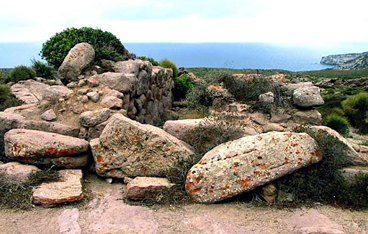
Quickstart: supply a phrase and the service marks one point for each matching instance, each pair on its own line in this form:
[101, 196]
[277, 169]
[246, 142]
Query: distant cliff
[339, 58]
[353, 61]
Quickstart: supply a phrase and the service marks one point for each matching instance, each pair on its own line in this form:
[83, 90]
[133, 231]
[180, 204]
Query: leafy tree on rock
[106, 45]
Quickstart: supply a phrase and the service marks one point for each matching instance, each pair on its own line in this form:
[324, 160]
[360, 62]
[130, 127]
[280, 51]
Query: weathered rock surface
[268, 97]
[310, 117]
[128, 67]
[244, 164]
[55, 93]
[49, 115]
[78, 58]
[121, 82]
[307, 97]
[93, 118]
[181, 128]
[352, 175]
[350, 153]
[29, 91]
[43, 148]
[311, 221]
[128, 148]
[147, 187]
[68, 189]
[68, 222]
[14, 172]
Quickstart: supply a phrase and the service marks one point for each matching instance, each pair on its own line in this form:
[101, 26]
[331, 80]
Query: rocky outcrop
[43, 148]
[338, 59]
[68, 189]
[353, 175]
[29, 91]
[356, 64]
[78, 58]
[180, 128]
[351, 61]
[147, 188]
[127, 148]
[242, 165]
[15, 173]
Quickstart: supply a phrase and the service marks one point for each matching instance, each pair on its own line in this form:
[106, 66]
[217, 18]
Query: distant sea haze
[220, 55]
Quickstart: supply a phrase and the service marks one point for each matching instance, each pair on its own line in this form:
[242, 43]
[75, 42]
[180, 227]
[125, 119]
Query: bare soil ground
[106, 212]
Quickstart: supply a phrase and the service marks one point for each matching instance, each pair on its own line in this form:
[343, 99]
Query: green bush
[151, 60]
[4, 93]
[21, 73]
[4, 75]
[216, 76]
[43, 70]
[199, 96]
[249, 90]
[356, 110]
[106, 45]
[166, 63]
[6, 99]
[182, 86]
[339, 123]
[215, 130]
[322, 182]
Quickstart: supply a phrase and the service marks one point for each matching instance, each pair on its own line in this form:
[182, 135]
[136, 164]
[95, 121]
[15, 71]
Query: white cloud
[282, 21]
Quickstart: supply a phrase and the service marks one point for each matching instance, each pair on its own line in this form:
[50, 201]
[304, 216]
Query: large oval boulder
[44, 148]
[78, 58]
[127, 148]
[242, 165]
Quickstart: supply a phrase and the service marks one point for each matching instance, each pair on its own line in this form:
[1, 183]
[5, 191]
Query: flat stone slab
[242, 165]
[68, 189]
[146, 187]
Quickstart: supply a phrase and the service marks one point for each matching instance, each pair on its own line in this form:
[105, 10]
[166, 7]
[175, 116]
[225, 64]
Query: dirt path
[107, 213]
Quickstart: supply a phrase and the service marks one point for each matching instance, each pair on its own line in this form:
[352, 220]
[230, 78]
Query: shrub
[4, 75]
[21, 73]
[339, 123]
[249, 90]
[356, 110]
[215, 130]
[199, 96]
[321, 182]
[182, 86]
[6, 99]
[106, 45]
[43, 70]
[166, 63]
[216, 76]
[151, 60]
[4, 93]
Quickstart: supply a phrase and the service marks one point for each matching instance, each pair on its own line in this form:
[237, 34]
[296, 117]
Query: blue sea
[225, 55]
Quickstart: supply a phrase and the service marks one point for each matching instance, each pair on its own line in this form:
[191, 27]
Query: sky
[313, 22]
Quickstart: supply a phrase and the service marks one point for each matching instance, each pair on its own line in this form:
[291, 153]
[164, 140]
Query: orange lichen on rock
[244, 182]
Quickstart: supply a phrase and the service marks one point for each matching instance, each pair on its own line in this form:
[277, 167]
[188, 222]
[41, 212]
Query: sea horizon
[247, 55]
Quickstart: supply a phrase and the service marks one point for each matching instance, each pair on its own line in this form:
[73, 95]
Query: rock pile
[102, 117]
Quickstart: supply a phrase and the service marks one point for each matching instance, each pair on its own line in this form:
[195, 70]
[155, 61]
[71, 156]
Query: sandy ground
[106, 213]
